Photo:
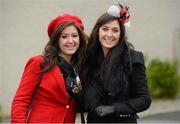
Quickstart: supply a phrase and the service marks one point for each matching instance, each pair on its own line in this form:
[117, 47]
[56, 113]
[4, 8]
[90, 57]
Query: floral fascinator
[121, 12]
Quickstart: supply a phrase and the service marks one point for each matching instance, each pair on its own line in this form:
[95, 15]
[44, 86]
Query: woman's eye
[64, 36]
[115, 30]
[75, 35]
[105, 29]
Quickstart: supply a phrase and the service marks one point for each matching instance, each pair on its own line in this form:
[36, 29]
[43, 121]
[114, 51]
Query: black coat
[135, 99]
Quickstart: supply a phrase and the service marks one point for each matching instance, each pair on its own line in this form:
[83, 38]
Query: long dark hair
[52, 48]
[117, 63]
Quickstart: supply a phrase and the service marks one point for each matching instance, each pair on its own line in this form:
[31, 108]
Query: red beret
[63, 18]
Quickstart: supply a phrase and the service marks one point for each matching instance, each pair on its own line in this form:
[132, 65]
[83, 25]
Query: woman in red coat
[56, 98]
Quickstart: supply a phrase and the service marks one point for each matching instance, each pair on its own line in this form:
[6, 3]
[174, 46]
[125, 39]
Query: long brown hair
[52, 48]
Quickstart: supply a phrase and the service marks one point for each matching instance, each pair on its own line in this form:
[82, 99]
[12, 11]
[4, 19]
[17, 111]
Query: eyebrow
[108, 27]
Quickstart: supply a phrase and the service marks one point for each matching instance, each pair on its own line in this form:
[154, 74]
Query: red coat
[51, 103]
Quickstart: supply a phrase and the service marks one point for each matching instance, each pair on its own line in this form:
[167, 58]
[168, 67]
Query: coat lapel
[59, 78]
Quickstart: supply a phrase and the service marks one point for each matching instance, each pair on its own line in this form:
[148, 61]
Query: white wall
[23, 25]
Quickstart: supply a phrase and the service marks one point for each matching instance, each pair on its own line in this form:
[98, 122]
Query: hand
[104, 110]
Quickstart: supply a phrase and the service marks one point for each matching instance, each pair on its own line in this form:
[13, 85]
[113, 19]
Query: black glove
[104, 110]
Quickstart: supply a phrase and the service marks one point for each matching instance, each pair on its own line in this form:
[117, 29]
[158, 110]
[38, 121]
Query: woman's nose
[70, 39]
[109, 33]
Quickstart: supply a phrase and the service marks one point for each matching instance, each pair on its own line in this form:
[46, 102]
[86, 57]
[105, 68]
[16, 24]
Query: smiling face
[69, 42]
[109, 35]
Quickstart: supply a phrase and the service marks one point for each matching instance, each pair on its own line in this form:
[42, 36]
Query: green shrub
[163, 79]
[1, 114]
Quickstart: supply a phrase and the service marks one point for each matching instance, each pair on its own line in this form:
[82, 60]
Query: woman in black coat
[115, 85]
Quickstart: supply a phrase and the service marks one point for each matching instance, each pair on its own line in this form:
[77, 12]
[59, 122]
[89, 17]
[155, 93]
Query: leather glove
[104, 110]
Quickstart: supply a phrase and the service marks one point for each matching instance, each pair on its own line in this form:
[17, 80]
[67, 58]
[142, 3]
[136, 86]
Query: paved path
[169, 117]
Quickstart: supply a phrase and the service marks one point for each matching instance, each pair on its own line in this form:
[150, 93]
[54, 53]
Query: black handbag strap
[35, 91]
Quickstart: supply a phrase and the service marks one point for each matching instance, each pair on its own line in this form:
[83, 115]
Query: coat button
[109, 94]
[67, 106]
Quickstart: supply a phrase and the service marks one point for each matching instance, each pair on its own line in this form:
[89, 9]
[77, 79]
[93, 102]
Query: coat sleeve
[25, 90]
[140, 97]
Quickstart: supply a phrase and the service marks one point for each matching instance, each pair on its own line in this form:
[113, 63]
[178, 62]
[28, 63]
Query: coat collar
[60, 80]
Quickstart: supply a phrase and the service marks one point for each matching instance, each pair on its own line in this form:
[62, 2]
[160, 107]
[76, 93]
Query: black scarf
[68, 74]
